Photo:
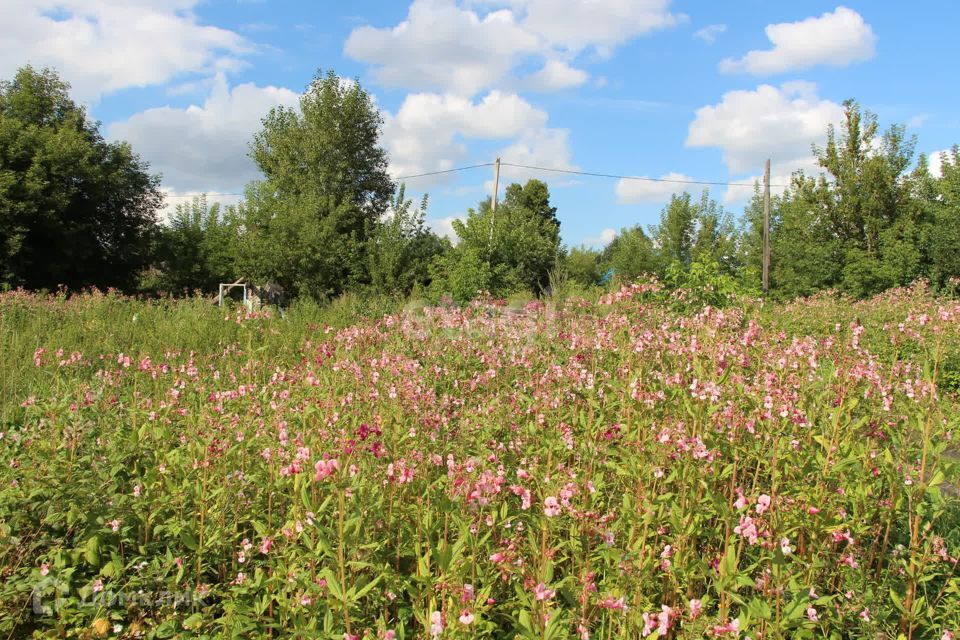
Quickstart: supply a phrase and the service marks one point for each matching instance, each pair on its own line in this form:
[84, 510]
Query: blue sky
[698, 90]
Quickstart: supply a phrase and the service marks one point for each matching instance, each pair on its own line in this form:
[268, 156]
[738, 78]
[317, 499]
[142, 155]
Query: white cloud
[780, 123]
[429, 130]
[710, 32]
[834, 39]
[101, 46]
[441, 45]
[556, 75]
[606, 237]
[741, 192]
[639, 191]
[576, 25]
[203, 148]
[468, 46]
[547, 148]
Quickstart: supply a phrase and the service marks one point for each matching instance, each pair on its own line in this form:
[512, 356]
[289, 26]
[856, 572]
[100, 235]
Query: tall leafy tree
[325, 189]
[75, 210]
[942, 195]
[675, 236]
[631, 254]
[534, 196]
[402, 247]
[511, 249]
[583, 265]
[867, 197]
[197, 250]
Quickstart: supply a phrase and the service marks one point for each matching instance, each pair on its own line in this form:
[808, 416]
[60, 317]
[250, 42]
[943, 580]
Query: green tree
[534, 196]
[198, 248]
[402, 247]
[325, 189]
[942, 196]
[867, 198]
[519, 246]
[675, 236]
[582, 265]
[806, 256]
[631, 254]
[75, 210]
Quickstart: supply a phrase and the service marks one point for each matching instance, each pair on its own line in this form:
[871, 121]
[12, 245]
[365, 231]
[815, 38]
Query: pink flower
[763, 503]
[436, 624]
[44, 569]
[542, 592]
[115, 525]
[730, 627]
[695, 607]
[551, 507]
[785, 547]
[741, 502]
[466, 618]
[947, 635]
[812, 615]
[613, 604]
[747, 529]
[325, 468]
[266, 545]
[390, 634]
[865, 614]
[97, 585]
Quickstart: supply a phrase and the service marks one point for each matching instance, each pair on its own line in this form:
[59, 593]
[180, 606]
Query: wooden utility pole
[496, 184]
[493, 198]
[766, 227]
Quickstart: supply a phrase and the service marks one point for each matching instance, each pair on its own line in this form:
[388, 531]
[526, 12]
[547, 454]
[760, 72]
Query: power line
[535, 168]
[639, 178]
[417, 175]
[436, 173]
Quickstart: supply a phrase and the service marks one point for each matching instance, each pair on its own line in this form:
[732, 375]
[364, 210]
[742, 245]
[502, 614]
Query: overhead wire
[593, 174]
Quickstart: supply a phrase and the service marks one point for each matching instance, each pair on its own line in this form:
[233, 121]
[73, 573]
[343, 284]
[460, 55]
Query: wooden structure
[254, 296]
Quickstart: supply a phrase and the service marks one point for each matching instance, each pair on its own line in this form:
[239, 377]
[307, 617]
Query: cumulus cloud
[101, 46]
[556, 75]
[640, 191]
[469, 46]
[710, 32]
[603, 239]
[429, 130]
[576, 25]
[780, 123]
[203, 147]
[443, 46]
[545, 147]
[741, 192]
[836, 39]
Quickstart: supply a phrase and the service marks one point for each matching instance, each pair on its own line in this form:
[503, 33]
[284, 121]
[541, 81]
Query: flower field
[621, 468]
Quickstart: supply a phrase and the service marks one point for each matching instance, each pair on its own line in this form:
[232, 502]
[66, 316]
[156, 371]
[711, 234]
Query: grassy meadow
[624, 466]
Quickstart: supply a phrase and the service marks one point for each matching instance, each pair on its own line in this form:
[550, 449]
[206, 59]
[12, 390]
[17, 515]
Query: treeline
[326, 218]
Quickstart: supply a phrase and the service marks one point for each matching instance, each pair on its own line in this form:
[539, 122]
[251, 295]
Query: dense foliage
[326, 218]
[621, 468]
[75, 210]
